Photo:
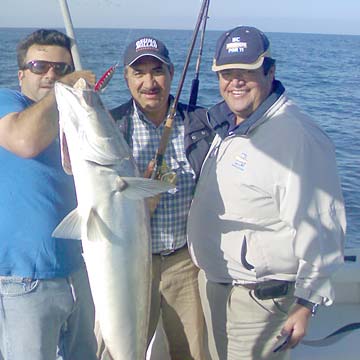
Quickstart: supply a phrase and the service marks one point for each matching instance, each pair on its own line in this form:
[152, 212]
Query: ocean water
[321, 73]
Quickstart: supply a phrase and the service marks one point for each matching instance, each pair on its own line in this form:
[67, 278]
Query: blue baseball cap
[146, 46]
[243, 47]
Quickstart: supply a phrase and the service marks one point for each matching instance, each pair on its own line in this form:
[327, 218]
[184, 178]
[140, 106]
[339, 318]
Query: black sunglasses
[40, 67]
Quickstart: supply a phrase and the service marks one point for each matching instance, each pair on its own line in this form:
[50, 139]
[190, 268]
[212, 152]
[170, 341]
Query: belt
[250, 286]
[168, 252]
[253, 285]
[269, 289]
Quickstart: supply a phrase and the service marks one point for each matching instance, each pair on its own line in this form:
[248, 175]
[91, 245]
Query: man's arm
[30, 131]
[27, 133]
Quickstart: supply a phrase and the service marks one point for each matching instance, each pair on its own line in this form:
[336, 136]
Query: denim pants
[47, 319]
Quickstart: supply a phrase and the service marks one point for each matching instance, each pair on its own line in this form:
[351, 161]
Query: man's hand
[153, 201]
[296, 325]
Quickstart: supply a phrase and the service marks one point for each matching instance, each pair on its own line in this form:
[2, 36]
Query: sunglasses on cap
[40, 67]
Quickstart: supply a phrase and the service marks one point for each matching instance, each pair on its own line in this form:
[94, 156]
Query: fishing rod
[70, 33]
[106, 77]
[159, 156]
[195, 82]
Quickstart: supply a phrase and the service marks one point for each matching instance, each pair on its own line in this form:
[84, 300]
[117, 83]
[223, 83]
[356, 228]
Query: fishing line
[333, 337]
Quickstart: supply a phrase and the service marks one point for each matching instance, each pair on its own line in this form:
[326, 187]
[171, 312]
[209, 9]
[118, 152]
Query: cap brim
[252, 66]
[149, 54]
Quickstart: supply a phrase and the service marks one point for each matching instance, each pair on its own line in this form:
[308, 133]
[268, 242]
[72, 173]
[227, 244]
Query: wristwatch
[308, 304]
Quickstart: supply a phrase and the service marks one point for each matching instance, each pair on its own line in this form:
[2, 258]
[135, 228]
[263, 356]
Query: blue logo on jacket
[240, 161]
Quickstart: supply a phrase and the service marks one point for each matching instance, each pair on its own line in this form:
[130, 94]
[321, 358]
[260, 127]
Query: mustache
[151, 90]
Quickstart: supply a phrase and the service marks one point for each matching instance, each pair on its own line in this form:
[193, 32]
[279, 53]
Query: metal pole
[70, 32]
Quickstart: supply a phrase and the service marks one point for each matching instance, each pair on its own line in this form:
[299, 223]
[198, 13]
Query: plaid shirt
[168, 223]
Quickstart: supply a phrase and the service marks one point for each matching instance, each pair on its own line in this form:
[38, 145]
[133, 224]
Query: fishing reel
[167, 175]
[162, 173]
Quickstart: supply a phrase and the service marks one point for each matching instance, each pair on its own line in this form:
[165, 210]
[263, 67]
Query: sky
[301, 16]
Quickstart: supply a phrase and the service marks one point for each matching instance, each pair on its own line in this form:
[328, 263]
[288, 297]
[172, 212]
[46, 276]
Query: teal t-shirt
[35, 195]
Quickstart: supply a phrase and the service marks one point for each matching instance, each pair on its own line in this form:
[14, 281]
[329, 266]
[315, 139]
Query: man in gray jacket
[270, 195]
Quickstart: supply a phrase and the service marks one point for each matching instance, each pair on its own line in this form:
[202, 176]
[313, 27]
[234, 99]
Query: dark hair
[268, 64]
[41, 37]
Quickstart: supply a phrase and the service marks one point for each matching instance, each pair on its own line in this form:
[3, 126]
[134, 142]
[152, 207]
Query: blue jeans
[43, 319]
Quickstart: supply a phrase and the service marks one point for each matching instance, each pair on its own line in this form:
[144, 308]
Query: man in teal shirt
[45, 296]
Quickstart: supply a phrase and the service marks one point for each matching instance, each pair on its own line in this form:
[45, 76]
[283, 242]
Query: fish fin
[70, 227]
[139, 188]
[96, 228]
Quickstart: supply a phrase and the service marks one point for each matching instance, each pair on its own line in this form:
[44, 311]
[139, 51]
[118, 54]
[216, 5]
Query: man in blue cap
[175, 299]
[270, 195]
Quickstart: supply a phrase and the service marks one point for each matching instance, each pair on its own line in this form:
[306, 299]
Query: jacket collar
[222, 119]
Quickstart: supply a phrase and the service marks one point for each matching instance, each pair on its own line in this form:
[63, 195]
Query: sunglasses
[40, 67]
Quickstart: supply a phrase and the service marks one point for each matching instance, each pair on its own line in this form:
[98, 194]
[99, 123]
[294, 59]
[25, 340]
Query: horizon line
[172, 29]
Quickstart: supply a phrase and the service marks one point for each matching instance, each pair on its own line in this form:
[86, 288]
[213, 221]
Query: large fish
[111, 219]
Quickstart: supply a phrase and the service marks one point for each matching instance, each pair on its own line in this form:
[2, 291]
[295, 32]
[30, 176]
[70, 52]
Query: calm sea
[320, 72]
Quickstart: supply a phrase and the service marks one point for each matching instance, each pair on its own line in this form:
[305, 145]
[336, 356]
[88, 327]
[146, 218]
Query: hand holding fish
[72, 78]
[164, 175]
